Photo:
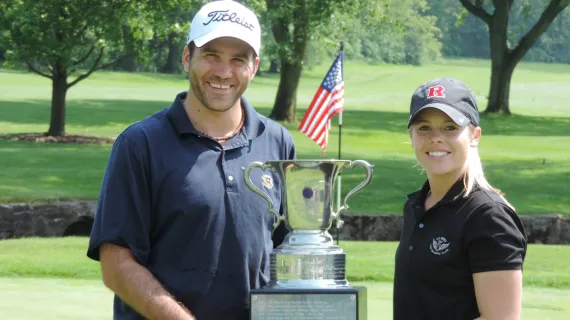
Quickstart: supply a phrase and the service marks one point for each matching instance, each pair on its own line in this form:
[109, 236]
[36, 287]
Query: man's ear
[255, 68]
[186, 57]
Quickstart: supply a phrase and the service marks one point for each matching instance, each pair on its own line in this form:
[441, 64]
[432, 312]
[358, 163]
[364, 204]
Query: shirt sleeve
[123, 208]
[290, 147]
[495, 239]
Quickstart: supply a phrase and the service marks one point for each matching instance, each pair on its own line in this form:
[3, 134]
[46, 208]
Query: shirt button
[421, 225]
[417, 206]
[230, 178]
[410, 248]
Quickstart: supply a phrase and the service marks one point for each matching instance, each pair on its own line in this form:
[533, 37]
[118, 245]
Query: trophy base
[346, 303]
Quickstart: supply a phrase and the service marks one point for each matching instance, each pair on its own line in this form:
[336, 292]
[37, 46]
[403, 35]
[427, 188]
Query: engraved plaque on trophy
[308, 274]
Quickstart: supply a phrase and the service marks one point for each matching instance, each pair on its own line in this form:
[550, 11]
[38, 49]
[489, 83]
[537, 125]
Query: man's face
[220, 72]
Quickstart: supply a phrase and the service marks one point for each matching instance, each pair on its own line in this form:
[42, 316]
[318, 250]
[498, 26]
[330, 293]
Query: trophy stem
[308, 259]
[319, 238]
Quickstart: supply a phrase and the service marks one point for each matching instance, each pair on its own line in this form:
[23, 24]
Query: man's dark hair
[192, 46]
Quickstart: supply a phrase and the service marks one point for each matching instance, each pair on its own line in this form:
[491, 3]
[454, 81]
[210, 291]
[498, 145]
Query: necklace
[228, 136]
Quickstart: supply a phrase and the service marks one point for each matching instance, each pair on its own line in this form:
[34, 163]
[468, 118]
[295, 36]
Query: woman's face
[441, 146]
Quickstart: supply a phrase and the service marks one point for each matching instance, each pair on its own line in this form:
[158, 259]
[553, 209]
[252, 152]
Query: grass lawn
[52, 279]
[71, 299]
[526, 155]
[366, 261]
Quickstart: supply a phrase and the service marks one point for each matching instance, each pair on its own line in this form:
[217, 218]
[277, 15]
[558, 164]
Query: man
[177, 232]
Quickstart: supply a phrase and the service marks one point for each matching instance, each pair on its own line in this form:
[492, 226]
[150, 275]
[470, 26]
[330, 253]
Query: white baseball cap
[225, 18]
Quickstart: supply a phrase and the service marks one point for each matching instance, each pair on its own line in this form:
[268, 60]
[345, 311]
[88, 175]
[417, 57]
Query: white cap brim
[221, 33]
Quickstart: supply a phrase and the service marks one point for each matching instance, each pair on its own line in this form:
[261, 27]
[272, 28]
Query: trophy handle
[356, 163]
[254, 188]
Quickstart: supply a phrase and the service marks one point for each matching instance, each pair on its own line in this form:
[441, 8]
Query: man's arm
[137, 287]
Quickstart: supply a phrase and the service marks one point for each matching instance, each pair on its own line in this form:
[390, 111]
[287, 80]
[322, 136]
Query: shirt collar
[252, 125]
[456, 190]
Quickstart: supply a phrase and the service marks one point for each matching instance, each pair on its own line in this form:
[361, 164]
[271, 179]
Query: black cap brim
[459, 118]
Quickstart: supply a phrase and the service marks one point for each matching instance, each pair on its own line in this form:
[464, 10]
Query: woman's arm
[499, 294]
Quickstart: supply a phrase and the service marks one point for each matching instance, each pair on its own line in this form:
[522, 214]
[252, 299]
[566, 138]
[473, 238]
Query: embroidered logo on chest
[267, 181]
[439, 246]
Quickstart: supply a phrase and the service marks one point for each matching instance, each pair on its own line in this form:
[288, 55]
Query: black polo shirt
[440, 249]
[178, 200]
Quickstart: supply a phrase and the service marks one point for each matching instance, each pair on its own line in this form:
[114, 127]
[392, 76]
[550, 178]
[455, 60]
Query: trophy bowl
[308, 263]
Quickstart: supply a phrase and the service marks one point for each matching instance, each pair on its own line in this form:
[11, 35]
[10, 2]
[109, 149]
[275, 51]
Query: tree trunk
[174, 55]
[503, 59]
[500, 89]
[274, 66]
[129, 63]
[59, 91]
[285, 106]
[501, 73]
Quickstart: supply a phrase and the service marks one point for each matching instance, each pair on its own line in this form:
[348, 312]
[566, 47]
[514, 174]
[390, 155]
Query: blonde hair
[474, 176]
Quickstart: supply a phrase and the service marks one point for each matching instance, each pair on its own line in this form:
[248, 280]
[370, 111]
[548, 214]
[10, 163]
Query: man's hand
[137, 287]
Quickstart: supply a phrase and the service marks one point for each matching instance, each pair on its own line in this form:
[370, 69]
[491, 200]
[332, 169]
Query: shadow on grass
[81, 112]
[75, 172]
[107, 112]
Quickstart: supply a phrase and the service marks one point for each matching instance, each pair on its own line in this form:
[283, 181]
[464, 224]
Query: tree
[58, 38]
[504, 58]
[171, 20]
[294, 23]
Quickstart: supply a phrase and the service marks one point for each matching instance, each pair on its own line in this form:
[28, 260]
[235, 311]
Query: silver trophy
[308, 274]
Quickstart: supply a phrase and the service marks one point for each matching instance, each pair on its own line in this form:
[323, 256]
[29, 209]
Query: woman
[462, 246]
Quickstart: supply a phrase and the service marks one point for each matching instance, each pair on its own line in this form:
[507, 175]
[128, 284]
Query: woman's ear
[475, 137]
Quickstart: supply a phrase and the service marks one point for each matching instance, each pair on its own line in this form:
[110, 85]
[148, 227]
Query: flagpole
[339, 144]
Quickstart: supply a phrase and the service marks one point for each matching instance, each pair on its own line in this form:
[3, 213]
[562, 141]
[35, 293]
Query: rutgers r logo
[436, 91]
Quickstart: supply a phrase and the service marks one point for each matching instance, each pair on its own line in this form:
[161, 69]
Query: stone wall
[548, 229]
[46, 220]
[76, 218]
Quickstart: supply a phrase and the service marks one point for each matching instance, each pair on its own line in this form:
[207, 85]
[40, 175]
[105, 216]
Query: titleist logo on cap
[223, 15]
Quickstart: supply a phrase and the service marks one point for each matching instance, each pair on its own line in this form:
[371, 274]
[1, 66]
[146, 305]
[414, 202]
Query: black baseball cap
[449, 95]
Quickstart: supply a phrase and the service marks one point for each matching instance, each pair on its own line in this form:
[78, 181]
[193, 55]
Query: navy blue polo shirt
[441, 248]
[179, 202]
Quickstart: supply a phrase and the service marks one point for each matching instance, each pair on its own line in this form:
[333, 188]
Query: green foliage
[554, 45]
[464, 35]
[385, 31]
[398, 32]
[170, 24]
[295, 23]
[69, 34]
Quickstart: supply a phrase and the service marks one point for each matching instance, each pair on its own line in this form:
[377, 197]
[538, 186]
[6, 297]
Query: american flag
[328, 101]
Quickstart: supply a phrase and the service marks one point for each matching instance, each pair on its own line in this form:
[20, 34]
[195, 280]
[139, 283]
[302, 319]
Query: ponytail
[475, 176]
